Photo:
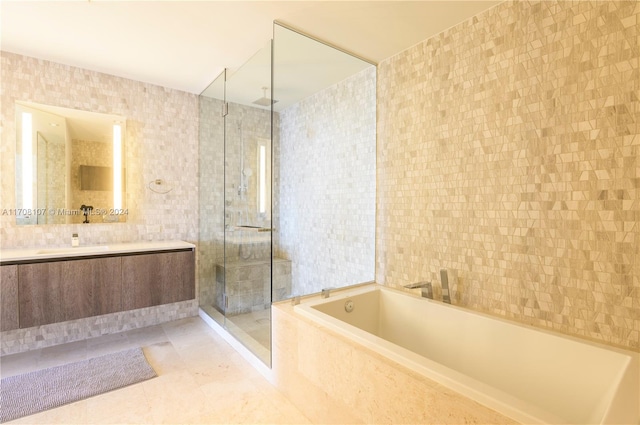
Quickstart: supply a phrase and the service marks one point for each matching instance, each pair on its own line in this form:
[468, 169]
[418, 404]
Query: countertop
[39, 254]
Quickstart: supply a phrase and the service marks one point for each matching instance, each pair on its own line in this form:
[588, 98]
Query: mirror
[65, 162]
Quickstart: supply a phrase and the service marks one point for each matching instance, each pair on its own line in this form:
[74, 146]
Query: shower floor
[252, 329]
[256, 324]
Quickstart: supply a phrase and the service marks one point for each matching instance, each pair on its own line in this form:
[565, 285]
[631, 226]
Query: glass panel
[324, 166]
[211, 191]
[247, 189]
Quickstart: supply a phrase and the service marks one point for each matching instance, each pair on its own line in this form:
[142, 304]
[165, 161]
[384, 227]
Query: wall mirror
[70, 166]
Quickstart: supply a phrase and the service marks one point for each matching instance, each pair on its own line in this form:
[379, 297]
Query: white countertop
[31, 254]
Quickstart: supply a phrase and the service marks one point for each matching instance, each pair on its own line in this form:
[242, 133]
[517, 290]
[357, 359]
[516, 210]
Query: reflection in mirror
[65, 163]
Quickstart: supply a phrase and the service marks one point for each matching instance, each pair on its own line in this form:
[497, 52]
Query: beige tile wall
[508, 154]
[324, 205]
[161, 143]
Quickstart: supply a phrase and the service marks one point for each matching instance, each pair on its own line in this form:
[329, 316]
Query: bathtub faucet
[425, 287]
[444, 279]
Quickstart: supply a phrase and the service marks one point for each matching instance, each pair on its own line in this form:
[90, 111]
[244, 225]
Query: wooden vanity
[51, 286]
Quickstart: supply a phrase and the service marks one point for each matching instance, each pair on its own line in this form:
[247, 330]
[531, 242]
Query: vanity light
[117, 166]
[27, 161]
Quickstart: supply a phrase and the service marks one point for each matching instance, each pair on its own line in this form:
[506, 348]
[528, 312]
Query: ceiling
[184, 45]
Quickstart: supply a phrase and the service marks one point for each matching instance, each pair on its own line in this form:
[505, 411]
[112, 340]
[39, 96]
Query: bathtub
[527, 374]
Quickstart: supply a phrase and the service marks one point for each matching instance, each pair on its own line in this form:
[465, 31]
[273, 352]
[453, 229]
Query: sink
[75, 250]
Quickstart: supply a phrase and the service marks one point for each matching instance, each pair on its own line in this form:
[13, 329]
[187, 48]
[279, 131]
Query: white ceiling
[184, 45]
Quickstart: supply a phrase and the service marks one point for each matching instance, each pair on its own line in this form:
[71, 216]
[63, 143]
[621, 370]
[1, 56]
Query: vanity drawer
[58, 291]
[8, 298]
[154, 279]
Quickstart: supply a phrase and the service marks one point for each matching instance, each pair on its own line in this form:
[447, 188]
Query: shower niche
[270, 228]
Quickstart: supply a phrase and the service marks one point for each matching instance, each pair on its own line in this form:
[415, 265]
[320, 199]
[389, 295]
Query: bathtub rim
[451, 379]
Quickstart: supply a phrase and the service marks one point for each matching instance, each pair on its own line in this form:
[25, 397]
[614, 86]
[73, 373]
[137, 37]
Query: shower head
[264, 100]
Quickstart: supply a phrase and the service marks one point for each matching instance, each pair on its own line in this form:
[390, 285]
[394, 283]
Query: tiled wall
[508, 153]
[161, 142]
[325, 186]
[244, 125]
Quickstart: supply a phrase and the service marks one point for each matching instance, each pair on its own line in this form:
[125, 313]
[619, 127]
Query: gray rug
[33, 392]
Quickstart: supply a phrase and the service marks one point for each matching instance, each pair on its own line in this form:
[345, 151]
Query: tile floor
[201, 380]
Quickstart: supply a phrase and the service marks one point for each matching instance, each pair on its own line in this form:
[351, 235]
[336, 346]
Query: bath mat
[33, 392]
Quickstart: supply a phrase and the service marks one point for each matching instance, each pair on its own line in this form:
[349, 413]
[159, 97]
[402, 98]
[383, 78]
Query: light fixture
[117, 166]
[27, 160]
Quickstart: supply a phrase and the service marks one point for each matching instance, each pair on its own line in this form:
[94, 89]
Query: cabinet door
[8, 298]
[159, 278]
[67, 290]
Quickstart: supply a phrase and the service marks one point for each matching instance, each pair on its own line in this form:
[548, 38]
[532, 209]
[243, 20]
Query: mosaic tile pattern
[508, 154]
[324, 200]
[161, 143]
[21, 340]
[252, 285]
[244, 125]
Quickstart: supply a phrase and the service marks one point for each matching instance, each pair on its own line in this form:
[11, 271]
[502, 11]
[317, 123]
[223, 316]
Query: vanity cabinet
[41, 292]
[8, 298]
[156, 279]
[58, 291]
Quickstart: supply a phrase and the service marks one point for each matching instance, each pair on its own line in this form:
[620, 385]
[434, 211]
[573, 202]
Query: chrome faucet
[444, 279]
[426, 288]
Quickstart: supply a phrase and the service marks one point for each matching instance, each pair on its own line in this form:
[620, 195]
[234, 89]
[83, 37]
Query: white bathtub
[527, 374]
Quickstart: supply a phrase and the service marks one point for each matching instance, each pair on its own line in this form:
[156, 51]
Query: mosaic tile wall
[22, 340]
[244, 125]
[325, 186]
[508, 153]
[161, 143]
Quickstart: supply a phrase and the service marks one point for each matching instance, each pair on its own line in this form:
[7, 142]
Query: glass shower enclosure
[287, 182]
[236, 280]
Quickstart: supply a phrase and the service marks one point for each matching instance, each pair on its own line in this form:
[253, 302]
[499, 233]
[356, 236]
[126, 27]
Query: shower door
[235, 255]
[211, 200]
[247, 268]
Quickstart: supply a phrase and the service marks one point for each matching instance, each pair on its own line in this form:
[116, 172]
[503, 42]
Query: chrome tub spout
[425, 287]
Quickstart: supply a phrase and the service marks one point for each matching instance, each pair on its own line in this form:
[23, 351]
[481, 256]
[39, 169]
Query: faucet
[426, 288]
[444, 279]
[325, 292]
[86, 210]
